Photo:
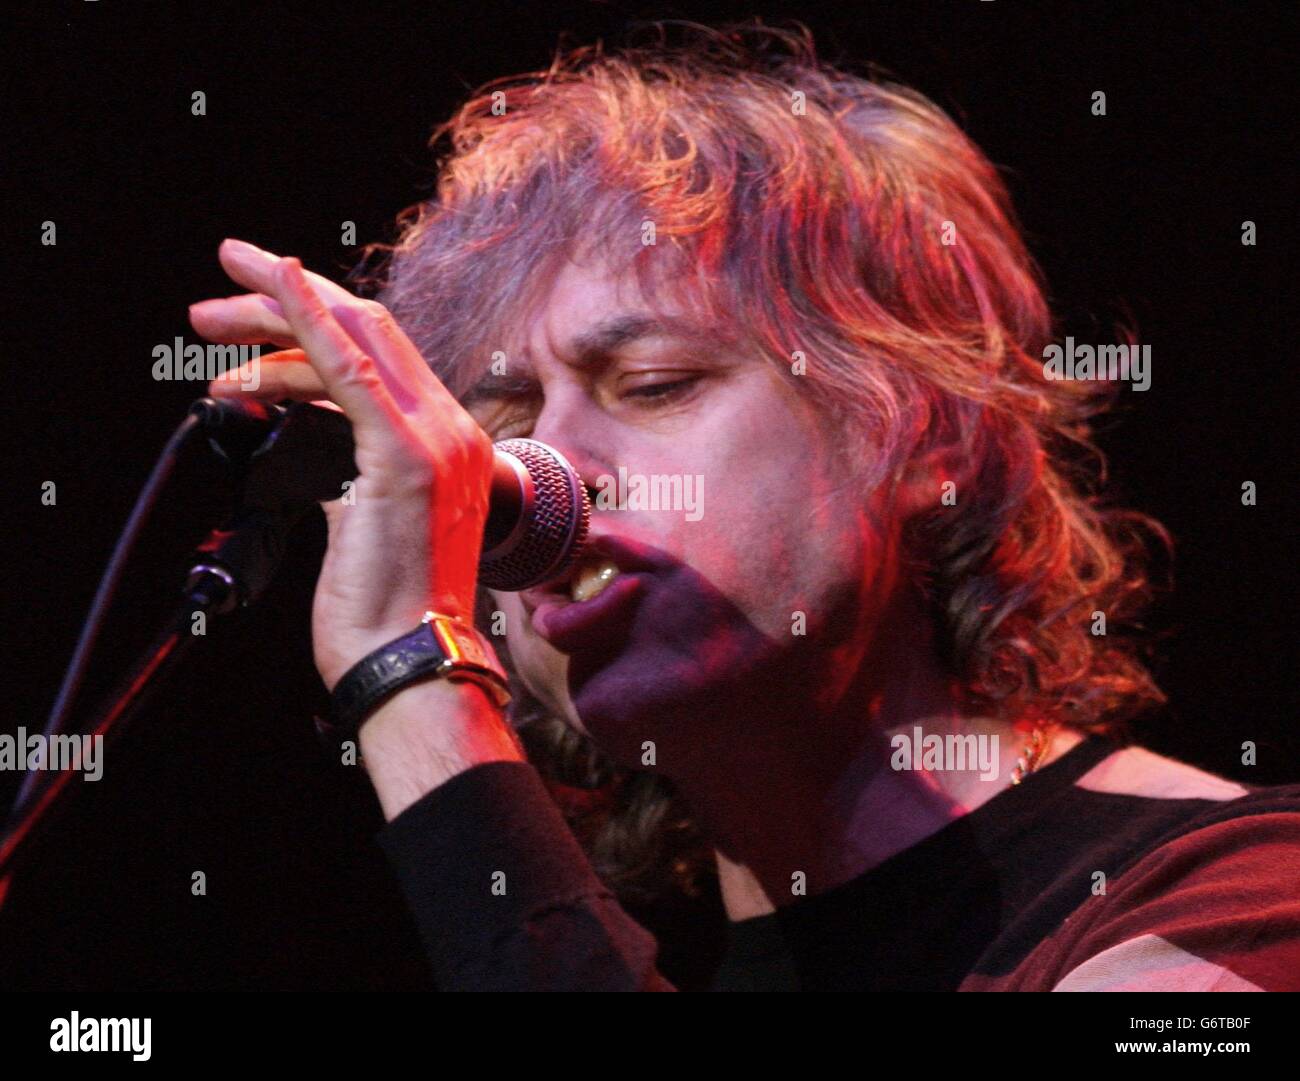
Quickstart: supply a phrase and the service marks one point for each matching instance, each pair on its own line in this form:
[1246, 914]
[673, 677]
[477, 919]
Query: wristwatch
[441, 646]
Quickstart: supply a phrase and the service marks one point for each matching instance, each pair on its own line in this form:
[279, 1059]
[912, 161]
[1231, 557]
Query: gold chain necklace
[1033, 753]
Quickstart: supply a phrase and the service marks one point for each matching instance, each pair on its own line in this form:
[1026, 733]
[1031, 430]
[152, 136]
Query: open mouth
[587, 607]
[591, 576]
[603, 562]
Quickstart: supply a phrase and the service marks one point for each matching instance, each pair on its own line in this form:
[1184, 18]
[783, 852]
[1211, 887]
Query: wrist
[429, 732]
[339, 647]
[441, 647]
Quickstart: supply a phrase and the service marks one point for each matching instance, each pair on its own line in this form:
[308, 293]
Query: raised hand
[410, 541]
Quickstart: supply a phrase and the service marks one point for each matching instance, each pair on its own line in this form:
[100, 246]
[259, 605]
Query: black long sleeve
[504, 897]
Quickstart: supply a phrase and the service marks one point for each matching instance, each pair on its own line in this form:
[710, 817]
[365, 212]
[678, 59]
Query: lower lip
[574, 625]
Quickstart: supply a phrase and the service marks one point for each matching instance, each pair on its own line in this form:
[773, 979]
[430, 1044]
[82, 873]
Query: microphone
[293, 457]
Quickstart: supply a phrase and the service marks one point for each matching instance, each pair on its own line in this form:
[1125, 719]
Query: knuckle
[375, 315]
[358, 370]
[310, 320]
[415, 456]
[481, 443]
[471, 441]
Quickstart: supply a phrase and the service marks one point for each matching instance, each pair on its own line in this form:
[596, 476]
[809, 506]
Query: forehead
[593, 307]
[589, 312]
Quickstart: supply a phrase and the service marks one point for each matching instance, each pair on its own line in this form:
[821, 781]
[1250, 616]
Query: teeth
[591, 579]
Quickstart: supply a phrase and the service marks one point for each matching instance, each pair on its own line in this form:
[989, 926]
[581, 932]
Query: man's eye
[665, 391]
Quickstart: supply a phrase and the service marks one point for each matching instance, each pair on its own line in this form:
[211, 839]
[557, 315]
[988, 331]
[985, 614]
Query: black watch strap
[441, 646]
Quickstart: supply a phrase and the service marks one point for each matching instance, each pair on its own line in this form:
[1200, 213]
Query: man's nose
[571, 423]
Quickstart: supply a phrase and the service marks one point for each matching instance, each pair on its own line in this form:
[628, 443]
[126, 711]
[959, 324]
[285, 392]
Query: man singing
[870, 666]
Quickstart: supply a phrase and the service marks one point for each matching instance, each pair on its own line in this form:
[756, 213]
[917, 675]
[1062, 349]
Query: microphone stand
[306, 459]
[34, 815]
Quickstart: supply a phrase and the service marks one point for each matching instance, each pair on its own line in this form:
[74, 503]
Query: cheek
[779, 534]
[543, 670]
[519, 639]
[792, 570]
[508, 613]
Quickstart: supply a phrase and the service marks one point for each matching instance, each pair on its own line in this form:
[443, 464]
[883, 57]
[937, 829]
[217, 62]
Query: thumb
[336, 508]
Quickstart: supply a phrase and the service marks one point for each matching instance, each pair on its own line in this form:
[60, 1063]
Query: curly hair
[820, 214]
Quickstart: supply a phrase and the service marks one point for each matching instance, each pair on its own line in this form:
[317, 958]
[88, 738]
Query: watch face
[461, 644]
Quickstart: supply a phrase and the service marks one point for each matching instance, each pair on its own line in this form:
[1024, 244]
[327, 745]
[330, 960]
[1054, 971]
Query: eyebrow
[615, 333]
[587, 348]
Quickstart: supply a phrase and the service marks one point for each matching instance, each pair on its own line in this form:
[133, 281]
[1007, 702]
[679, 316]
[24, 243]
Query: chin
[678, 669]
[655, 695]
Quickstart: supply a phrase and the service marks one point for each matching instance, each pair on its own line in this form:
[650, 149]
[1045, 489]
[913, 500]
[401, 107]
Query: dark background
[322, 116]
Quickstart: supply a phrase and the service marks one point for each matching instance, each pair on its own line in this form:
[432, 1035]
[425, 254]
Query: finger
[250, 319]
[272, 378]
[254, 268]
[334, 511]
[351, 377]
[409, 379]
[369, 323]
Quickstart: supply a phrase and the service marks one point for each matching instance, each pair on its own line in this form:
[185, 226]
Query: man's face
[766, 574]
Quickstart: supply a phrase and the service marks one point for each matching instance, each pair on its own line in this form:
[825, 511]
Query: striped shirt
[1109, 869]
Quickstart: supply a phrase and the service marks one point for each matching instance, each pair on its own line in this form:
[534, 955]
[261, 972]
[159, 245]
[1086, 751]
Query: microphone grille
[553, 521]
